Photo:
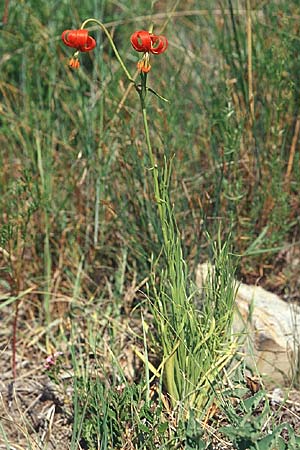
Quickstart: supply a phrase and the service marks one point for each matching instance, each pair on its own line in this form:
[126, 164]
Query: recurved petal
[158, 44]
[141, 41]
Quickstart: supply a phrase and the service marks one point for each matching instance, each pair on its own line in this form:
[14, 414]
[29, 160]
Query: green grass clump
[196, 339]
[111, 417]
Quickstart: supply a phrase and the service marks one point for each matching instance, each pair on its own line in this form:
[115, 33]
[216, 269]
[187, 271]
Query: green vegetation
[107, 208]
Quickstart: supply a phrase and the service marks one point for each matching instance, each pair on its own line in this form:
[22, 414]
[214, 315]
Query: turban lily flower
[143, 41]
[81, 41]
[78, 39]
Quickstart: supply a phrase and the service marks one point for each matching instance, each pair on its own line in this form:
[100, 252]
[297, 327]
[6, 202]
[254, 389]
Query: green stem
[47, 253]
[153, 163]
[142, 93]
[105, 30]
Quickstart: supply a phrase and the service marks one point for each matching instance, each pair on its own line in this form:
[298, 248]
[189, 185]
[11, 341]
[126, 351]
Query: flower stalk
[112, 44]
[142, 91]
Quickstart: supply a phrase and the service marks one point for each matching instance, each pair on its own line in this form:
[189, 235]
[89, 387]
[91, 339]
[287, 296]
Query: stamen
[144, 64]
[74, 63]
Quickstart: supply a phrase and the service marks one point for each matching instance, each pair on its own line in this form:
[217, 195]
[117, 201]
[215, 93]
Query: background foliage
[79, 227]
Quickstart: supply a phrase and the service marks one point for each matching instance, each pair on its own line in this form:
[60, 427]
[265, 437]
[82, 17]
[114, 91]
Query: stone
[269, 330]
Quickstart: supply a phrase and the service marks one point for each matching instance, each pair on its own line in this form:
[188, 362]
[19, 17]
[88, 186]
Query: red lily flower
[143, 41]
[78, 39]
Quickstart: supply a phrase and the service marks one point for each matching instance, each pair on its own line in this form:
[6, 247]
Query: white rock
[269, 328]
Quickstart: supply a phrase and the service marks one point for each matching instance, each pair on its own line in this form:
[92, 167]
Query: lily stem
[142, 91]
[110, 39]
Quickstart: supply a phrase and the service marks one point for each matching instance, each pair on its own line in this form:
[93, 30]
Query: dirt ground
[34, 413]
[37, 414]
